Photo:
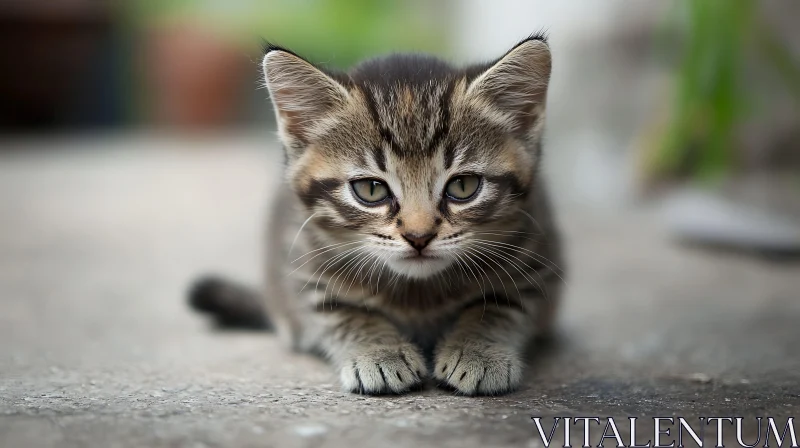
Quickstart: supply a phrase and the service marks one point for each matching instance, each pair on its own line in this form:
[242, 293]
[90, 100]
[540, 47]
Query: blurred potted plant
[699, 138]
[195, 77]
[190, 74]
[200, 54]
[702, 139]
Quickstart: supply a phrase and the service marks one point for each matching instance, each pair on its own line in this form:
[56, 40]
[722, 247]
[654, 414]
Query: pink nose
[418, 242]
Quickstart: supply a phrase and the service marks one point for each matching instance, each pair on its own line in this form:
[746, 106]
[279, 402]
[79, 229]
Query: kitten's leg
[369, 352]
[484, 352]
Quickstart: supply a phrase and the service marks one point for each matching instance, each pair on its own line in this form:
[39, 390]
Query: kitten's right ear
[514, 88]
[303, 96]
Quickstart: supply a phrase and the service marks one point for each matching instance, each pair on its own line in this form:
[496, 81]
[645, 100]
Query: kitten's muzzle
[418, 241]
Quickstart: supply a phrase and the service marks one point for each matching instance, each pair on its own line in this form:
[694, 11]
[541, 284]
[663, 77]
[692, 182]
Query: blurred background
[644, 96]
[137, 150]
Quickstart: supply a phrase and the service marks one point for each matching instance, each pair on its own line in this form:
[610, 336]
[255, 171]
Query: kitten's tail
[231, 305]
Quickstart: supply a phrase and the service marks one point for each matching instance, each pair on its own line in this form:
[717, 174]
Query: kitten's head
[408, 158]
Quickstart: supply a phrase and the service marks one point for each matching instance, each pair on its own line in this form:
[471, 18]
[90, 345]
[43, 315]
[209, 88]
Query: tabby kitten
[412, 237]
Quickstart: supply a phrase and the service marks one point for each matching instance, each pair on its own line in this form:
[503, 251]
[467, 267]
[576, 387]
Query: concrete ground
[99, 239]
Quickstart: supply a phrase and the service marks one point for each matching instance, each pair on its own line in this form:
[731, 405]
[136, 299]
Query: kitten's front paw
[383, 370]
[478, 368]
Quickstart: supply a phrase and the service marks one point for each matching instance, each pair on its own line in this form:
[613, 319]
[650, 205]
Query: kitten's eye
[462, 188]
[370, 191]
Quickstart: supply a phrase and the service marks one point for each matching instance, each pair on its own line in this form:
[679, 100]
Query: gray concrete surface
[99, 239]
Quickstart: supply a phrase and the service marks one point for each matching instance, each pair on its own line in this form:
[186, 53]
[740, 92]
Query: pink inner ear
[291, 119]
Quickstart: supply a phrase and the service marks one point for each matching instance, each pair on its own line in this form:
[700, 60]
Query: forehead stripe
[443, 124]
[380, 158]
[386, 134]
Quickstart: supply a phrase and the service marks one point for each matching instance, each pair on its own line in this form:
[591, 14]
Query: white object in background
[703, 218]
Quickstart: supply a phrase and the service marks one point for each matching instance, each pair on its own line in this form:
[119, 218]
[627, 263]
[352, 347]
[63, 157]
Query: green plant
[711, 99]
[338, 32]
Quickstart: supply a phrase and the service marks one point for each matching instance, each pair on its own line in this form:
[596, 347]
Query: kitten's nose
[417, 241]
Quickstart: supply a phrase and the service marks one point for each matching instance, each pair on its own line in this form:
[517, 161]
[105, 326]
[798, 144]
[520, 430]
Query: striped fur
[348, 290]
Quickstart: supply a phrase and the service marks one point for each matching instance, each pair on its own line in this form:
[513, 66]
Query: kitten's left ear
[515, 86]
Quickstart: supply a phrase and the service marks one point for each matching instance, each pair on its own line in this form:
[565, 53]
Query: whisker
[380, 273]
[438, 278]
[531, 280]
[339, 271]
[395, 277]
[339, 246]
[494, 293]
[527, 276]
[458, 263]
[510, 277]
[354, 264]
[448, 278]
[329, 263]
[367, 257]
[472, 262]
[294, 241]
[541, 258]
[502, 283]
[513, 249]
[505, 231]
[483, 292]
[500, 234]
[335, 276]
[325, 247]
[376, 257]
[533, 220]
[371, 272]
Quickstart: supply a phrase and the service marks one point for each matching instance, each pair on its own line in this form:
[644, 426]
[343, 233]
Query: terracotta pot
[194, 78]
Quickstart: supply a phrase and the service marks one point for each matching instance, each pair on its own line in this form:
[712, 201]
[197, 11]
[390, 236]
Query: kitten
[412, 237]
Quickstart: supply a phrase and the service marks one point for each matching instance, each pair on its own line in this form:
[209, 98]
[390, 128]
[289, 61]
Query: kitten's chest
[414, 302]
[422, 315]
[425, 329]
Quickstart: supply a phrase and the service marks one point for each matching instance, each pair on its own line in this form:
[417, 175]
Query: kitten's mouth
[419, 265]
[420, 257]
